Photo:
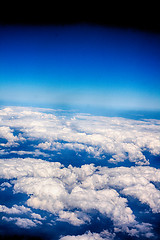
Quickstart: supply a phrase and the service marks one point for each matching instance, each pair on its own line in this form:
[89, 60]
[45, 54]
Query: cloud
[37, 216]
[59, 190]
[71, 193]
[140, 230]
[91, 236]
[35, 153]
[20, 222]
[2, 151]
[75, 218]
[146, 193]
[122, 138]
[15, 209]
[6, 184]
[7, 133]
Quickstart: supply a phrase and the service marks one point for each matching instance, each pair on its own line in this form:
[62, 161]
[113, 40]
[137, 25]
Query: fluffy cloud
[21, 222]
[60, 190]
[75, 218]
[7, 134]
[37, 216]
[141, 230]
[91, 236]
[6, 184]
[15, 209]
[122, 138]
[71, 193]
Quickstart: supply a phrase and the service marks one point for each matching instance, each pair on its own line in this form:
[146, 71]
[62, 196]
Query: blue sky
[79, 65]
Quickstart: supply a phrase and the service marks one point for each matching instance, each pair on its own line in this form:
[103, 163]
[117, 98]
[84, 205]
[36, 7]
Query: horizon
[79, 133]
[80, 65]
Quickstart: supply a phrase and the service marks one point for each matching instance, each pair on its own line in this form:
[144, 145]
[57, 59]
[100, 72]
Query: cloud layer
[71, 194]
[123, 139]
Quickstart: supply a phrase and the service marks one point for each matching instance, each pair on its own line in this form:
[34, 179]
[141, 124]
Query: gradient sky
[79, 65]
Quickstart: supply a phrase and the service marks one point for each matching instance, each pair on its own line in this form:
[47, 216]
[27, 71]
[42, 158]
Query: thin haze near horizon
[79, 65]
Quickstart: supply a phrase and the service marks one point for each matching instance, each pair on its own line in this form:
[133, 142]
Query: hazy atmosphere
[80, 65]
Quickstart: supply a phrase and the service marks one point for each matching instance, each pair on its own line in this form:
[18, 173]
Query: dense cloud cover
[60, 191]
[122, 138]
[71, 193]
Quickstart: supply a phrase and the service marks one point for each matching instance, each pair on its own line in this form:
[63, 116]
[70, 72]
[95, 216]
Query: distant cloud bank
[122, 138]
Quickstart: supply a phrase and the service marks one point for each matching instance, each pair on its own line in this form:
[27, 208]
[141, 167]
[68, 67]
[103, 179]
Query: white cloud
[35, 153]
[146, 194]
[37, 216]
[75, 218]
[6, 184]
[21, 222]
[140, 230]
[47, 193]
[15, 209]
[60, 190]
[91, 236]
[2, 151]
[7, 133]
[97, 135]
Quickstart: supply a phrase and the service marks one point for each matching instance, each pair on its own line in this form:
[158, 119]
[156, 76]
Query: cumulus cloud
[7, 134]
[20, 222]
[6, 184]
[70, 193]
[60, 190]
[122, 138]
[91, 236]
[141, 230]
[15, 209]
[75, 218]
[37, 216]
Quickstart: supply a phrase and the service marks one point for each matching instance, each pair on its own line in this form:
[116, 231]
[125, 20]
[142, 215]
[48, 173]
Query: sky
[68, 169]
[86, 65]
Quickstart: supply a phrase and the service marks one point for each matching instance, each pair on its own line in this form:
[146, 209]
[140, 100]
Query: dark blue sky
[79, 65]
